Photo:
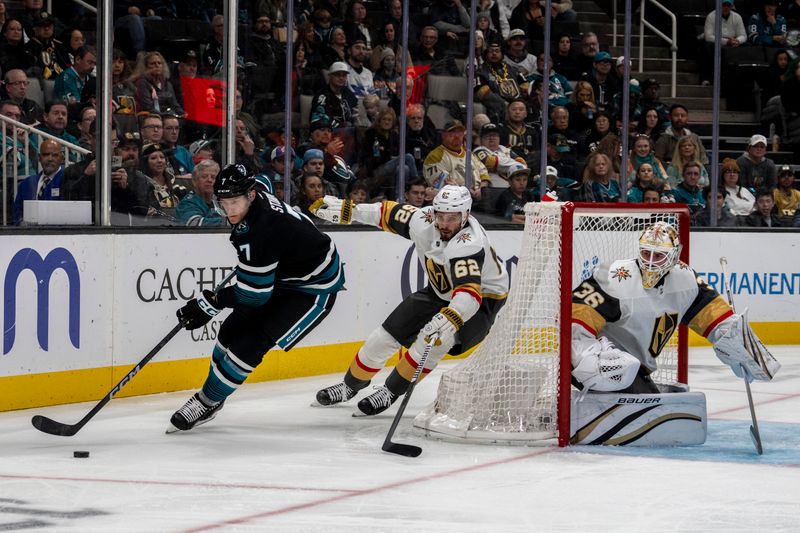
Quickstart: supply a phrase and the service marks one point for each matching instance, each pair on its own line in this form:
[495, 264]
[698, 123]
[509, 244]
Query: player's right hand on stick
[199, 311]
[333, 209]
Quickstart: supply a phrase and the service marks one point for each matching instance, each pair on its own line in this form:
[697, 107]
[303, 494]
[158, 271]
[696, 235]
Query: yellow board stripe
[768, 332]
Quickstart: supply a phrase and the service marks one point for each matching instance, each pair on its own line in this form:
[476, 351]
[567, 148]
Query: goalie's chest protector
[647, 317]
[467, 258]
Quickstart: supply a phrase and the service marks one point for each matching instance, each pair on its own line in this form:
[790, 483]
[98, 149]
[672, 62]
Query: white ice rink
[270, 462]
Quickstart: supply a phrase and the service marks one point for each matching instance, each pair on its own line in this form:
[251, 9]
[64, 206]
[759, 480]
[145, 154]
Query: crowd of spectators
[168, 96]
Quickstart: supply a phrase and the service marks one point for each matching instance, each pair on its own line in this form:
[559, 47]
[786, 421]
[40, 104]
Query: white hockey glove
[333, 209]
[605, 368]
[737, 346]
[445, 324]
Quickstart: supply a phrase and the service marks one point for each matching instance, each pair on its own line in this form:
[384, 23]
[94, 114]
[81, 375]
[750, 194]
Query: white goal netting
[507, 391]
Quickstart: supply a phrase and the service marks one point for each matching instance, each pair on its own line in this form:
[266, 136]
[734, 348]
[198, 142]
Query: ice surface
[271, 462]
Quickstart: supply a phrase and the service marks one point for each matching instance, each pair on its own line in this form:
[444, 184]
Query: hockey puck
[80, 454]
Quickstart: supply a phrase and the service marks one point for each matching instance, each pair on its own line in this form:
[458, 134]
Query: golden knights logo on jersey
[437, 276]
[663, 330]
[621, 274]
[464, 237]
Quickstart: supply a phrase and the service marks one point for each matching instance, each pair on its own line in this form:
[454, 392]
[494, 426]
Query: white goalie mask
[659, 249]
[453, 199]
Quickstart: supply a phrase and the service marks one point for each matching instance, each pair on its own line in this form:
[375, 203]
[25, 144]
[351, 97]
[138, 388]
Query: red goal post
[515, 388]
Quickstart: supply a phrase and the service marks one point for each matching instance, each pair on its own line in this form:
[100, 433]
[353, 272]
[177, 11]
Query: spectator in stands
[246, 149]
[590, 46]
[15, 87]
[611, 145]
[358, 192]
[497, 83]
[499, 161]
[590, 140]
[311, 189]
[313, 163]
[739, 201]
[249, 120]
[69, 84]
[668, 141]
[790, 88]
[48, 53]
[767, 27]
[386, 77]
[757, 170]
[73, 40]
[688, 192]
[642, 180]
[600, 184]
[528, 16]
[560, 90]
[651, 195]
[396, 17]
[55, 121]
[264, 49]
[604, 84]
[686, 150]
[724, 217]
[355, 24]
[446, 164]
[85, 121]
[335, 8]
[517, 133]
[178, 156]
[359, 77]
[336, 48]
[561, 10]
[123, 92]
[197, 207]
[787, 198]
[323, 25]
[483, 24]
[561, 130]
[2, 13]
[480, 52]
[643, 152]
[20, 155]
[765, 215]
[510, 204]
[497, 14]
[561, 189]
[421, 134]
[450, 18]
[388, 39]
[336, 101]
[151, 128]
[13, 52]
[649, 99]
[212, 54]
[163, 194]
[416, 192]
[377, 159]
[517, 54]
[308, 38]
[774, 78]
[565, 62]
[154, 91]
[651, 124]
[44, 185]
[306, 76]
[582, 107]
[427, 53]
[732, 34]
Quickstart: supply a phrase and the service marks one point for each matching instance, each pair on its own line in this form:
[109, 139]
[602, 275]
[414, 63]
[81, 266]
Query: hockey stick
[408, 450]
[754, 433]
[48, 425]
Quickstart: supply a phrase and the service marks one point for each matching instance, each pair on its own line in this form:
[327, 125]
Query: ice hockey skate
[377, 402]
[193, 413]
[334, 394]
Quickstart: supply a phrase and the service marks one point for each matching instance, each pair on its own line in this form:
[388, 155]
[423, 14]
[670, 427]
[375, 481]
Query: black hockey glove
[199, 311]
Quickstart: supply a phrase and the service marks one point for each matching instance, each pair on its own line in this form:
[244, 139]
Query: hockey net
[515, 387]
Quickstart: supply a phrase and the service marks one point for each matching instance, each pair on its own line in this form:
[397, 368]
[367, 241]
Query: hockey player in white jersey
[625, 314]
[467, 286]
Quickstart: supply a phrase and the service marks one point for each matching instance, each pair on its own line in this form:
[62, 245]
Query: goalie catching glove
[604, 368]
[736, 345]
[199, 311]
[333, 209]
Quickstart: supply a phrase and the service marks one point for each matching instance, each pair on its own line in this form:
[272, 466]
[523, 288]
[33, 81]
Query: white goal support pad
[515, 388]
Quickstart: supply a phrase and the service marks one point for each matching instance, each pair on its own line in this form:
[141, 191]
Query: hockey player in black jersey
[287, 279]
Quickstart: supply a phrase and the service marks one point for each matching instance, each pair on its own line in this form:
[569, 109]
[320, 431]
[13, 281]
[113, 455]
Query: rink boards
[79, 310]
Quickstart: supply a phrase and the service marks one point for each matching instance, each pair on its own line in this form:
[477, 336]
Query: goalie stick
[408, 450]
[53, 427]
[754, 433]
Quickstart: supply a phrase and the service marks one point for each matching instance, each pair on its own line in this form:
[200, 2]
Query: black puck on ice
[80, 454]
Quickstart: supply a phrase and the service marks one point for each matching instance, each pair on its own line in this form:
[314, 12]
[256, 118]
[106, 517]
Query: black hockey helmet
[233, 180]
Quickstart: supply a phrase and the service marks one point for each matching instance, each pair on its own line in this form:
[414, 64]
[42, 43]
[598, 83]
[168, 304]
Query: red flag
[203, 100]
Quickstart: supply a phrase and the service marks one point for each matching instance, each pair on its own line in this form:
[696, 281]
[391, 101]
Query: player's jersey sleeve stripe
[473, 289]
[329, 277]
[242, 267]
[588, 317]
[711, 314]
[325, 264]
[396, 218]
[590, 294]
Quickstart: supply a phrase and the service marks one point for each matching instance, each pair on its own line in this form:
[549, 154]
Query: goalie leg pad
[666, 419]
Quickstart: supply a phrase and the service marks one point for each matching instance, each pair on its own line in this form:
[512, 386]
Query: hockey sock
[354, 383]
[397, 384]
[226, 374]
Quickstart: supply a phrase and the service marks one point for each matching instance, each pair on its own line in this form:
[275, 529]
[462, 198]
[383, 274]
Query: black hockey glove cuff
[199, 311]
